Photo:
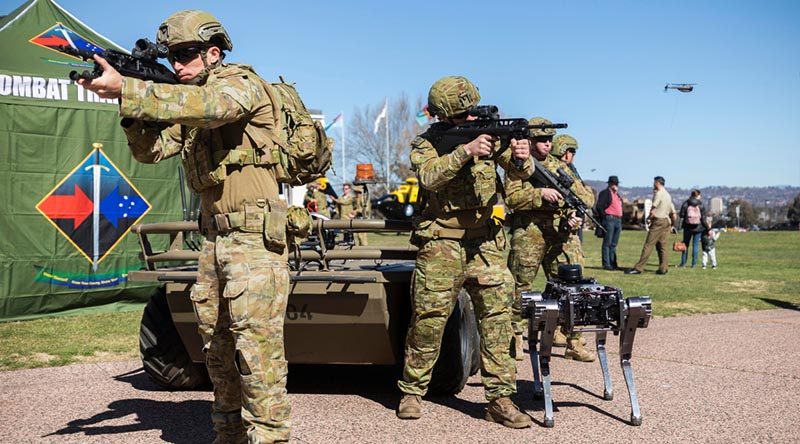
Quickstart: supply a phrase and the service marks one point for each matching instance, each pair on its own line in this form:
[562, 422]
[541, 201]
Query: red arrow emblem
[76, 207]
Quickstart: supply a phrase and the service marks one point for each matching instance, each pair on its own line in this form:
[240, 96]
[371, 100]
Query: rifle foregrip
[75, 75]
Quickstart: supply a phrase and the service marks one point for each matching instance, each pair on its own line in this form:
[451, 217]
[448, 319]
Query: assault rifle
[488, 121]
[141, 63]
[562, 183]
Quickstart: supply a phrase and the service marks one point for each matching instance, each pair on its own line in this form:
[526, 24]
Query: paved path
[716, 378]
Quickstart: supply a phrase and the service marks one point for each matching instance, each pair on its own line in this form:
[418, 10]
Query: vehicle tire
[163, 354]
[460, 349]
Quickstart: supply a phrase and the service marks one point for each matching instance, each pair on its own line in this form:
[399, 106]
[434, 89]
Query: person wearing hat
[219, 120]
[541, 229]
[461, 246]
[564, 148]
[316, 201]
[661, 221]
[609, 210]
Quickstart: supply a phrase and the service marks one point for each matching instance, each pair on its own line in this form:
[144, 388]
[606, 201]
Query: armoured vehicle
[348, 305]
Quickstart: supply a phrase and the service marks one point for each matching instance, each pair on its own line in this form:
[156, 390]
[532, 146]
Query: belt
[223, 222]
[612, 216]
[460, 233]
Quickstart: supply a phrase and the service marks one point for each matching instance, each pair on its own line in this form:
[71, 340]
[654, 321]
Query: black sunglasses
[184, 55]
[543, 139]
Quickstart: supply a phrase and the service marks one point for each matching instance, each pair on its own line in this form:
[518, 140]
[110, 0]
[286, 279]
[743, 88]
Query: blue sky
[600, 66]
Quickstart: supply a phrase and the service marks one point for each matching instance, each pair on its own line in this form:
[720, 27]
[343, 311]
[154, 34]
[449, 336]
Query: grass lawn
[756, 271]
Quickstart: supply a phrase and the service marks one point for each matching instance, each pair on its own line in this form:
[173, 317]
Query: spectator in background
[710, 248]
[661, 220]
[609, 211]
[693, 223]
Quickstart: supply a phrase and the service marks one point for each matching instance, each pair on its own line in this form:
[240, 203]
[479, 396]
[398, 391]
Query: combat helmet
[563, 142]
[549, 132]
[452, 95]
[193, 26]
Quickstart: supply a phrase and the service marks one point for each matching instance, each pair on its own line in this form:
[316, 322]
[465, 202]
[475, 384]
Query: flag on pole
[337, 121]
[423, 116]
[380, 117]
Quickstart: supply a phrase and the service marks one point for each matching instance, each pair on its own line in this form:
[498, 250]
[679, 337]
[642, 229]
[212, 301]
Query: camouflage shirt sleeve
[521, 195]
[509, 165]
[220, 101]
[435, 171]
[151, 142]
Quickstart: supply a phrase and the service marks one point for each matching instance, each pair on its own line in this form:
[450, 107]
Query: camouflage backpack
[302, 151]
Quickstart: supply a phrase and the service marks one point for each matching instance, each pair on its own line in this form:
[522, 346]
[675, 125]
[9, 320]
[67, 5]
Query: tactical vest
[473, 187]
[209, 153]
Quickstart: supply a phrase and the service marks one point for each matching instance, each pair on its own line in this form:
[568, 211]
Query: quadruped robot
[582, 305]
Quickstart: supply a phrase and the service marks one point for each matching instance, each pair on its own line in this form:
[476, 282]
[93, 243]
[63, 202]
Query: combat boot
[559, 339]
[410, 407]
[519, 352]
[503, 411]
[576, 350]
[224, 439]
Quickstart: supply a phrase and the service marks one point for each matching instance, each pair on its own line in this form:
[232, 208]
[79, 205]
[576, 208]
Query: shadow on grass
[781, 304]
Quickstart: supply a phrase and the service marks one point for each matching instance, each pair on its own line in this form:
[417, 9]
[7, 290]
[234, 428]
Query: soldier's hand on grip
[483, 145]
[574, 221]
[551, 195]
[520, 149]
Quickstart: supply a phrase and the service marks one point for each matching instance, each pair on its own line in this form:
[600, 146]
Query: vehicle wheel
[460, 349]
[164, 356]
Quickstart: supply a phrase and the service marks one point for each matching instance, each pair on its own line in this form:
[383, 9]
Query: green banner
[69, 189]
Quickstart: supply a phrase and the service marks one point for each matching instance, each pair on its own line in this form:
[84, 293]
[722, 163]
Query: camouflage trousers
[573, 251]
[537, 240]
[443, 267]
[240, 300]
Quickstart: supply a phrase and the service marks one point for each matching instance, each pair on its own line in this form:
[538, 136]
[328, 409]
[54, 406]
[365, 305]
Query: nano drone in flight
[682, 87]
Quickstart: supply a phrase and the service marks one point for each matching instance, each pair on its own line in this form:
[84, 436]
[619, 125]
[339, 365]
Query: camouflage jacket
[346, 206]
[219, 129]
[320, 200]
[363, 207]
[458, 190]
[521, 195]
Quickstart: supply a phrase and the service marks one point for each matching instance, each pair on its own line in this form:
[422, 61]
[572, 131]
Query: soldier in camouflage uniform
[565, 148]
[317, 199]
[541, 227]
[460, 245]
[220, 120]
[346, 209]
[363, 211]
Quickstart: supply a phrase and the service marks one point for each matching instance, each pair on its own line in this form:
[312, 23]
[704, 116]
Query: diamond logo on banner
[60, 35]
[94, 206]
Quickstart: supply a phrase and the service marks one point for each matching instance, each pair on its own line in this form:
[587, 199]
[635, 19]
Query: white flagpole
[386, 122]
[344, 152]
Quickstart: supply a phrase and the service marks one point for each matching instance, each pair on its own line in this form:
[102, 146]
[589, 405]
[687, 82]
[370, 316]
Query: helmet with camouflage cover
[193, 26]
[549, 132]
[563, 142]
[452, 95]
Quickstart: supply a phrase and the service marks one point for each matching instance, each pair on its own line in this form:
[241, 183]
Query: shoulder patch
[419, 140]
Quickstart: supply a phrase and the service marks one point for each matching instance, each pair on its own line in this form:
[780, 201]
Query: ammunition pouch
[263, 216]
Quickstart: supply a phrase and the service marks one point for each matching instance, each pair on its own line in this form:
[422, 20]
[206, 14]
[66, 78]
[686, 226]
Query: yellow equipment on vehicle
[407, 192]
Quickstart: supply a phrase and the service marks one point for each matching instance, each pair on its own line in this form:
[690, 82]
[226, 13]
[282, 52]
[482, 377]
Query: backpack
[302, 151]
[693, 215]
